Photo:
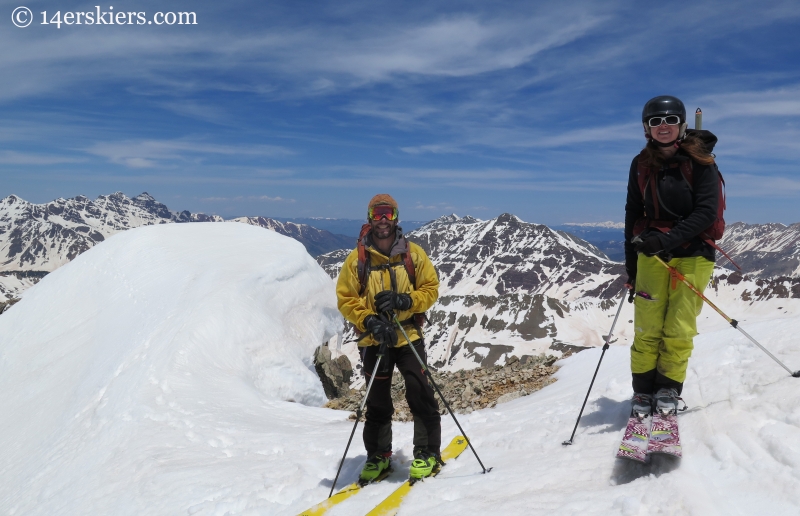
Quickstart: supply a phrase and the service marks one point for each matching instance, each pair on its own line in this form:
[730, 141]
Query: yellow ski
[340, 496]
[390, 505]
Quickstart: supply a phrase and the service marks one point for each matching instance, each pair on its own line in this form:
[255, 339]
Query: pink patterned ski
[664, 435]
[634, 442]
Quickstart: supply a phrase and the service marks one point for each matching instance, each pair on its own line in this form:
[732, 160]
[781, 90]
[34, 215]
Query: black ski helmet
[663, 105]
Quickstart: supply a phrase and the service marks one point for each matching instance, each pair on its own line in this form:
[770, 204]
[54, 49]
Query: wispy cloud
[151, 153]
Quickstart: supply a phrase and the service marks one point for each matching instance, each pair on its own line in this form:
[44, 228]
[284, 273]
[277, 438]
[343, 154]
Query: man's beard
[384, 233]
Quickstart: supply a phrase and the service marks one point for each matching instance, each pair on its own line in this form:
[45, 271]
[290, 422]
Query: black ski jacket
[692, 207]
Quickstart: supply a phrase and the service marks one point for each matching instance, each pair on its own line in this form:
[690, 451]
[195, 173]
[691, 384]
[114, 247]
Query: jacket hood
[707, 137]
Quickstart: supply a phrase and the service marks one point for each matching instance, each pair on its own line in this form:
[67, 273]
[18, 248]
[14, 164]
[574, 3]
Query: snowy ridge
[763, 250]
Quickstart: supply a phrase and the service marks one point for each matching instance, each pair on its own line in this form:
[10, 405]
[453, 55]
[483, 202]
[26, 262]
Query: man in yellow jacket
[393, 276]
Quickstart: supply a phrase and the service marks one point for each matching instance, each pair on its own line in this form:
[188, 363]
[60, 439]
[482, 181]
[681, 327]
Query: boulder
[334, 373]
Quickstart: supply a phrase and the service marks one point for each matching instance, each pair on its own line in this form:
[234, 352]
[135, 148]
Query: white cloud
[152, 153]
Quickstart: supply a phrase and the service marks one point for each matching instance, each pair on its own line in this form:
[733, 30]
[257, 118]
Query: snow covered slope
[763, 250]
[130, 377]
[149, 377]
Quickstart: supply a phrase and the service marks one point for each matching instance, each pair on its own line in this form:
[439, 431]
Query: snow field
[741, 440]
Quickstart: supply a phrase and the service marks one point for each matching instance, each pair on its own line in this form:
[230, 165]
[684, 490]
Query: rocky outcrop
[334, 373]
[468, 390]
[7, 304]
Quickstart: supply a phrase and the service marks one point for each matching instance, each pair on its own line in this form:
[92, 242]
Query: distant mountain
[349, 227]
[506, 288]
[43, 237]
[605, 225]
[606, 236]
[512, 287]
[763, 250]
[317, 241]
[38, 238]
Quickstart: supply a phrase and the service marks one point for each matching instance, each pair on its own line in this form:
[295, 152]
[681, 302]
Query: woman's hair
[691, 145]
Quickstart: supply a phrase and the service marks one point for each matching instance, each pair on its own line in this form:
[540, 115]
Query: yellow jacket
[356, 308]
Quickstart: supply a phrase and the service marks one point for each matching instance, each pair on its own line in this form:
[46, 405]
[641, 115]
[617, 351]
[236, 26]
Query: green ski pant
[665, 315]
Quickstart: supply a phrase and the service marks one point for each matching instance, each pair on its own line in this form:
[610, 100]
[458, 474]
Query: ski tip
[567, 443]
[796, 374]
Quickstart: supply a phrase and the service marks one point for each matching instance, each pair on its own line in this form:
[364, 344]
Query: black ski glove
[381, 330]
[389, 300]
[650, 246]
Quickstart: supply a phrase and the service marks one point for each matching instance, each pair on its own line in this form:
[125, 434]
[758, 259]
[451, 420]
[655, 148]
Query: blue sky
[300, 108]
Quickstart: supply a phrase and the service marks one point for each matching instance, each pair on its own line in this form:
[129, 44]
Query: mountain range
[512, 287]
[507, 286]
[38, 238]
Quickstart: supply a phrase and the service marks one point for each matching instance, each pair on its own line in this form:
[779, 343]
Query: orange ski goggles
[383, 210]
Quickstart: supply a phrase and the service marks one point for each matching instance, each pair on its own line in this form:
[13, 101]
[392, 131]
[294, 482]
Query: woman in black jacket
[673, 191]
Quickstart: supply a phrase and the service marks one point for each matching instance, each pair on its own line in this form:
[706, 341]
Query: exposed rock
[334, 373]
[7, 304]
[468, 390]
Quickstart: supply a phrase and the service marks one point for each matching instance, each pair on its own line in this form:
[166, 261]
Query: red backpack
[712, 233]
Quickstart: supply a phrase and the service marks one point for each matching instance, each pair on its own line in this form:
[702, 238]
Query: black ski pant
[651, 381]
[419, 395]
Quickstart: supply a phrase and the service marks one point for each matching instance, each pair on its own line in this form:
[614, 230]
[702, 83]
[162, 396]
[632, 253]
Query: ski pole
[605, 347]
[381, 352]
[427, 373]
[733, 322]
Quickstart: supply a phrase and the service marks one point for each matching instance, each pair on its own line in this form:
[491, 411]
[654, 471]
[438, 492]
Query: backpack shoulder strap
[646, 175]
[410, 270]
[363, 259]
[687, 170]
[642, 174]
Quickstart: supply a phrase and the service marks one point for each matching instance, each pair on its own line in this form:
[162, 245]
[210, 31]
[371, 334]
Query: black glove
[389, 300]
[650, 245]
[381, 330]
